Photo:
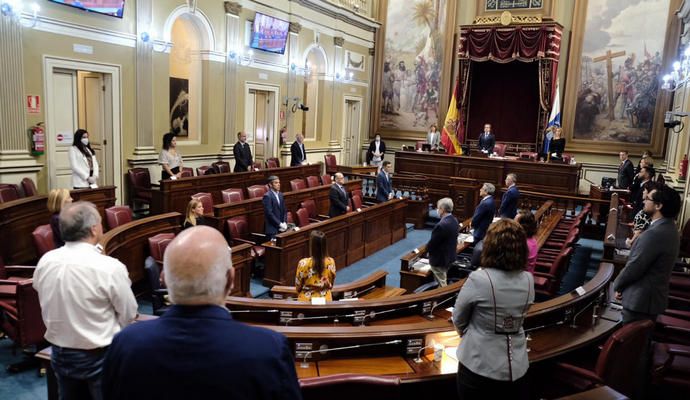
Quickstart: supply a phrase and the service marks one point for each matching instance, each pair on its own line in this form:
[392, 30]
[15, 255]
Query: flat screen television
[269, 34]
[113, 8]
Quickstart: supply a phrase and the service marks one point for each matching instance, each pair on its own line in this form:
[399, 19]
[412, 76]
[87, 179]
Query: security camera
[303, 107]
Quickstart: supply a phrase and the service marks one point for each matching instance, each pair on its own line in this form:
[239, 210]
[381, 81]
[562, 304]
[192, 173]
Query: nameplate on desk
[416, 251]
[350, 299]
[580, 290]
[297, 229]
[318, 301]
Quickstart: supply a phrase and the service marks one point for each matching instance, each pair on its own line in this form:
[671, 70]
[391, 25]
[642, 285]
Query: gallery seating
[139, 187]
[221, 167]
[206, 200]
[326, 179]
[548, 275]
[158, 244]
[331, 164]
[273, 162]
[297, 184]
[313, 215]
[43, 239]
[313, 181]
[500, 149]
[238, 231]
[671, 370]
[255, 191]
[232, 195]
[205, 170]
[29, 187]
[8, 192]
[118, 215]
[187, 172]
[257, 165]
[302, 217]
[158, 293]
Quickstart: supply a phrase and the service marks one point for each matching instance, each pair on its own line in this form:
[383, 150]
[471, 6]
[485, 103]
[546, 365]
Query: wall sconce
[297, 104]
[145, 37]
[305, 71]
[13, 9]
[241, 58]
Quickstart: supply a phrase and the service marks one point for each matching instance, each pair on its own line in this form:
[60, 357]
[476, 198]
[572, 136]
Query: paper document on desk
[465, 237]
[623, 252]
[421, 265]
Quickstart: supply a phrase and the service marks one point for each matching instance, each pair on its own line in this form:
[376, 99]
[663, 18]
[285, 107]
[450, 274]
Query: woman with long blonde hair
[194, 215]
[57, 199]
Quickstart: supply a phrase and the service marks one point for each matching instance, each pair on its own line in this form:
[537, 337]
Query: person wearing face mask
[377, 149]
[82, 161]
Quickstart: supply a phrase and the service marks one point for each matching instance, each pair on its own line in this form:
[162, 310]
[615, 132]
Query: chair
[356, 203]
[139, 187]
[8, 192]
[313, 181]
[118, 215]
[419, 144]
[14, 273]
[297, 184]
[238, 230]
[312, 212]
[205, 170]
[350, 386]
[566, 158]
[187, 172]
[617, 364]
[255, 191]
[232, 195]
[158, 244]
[547, 275]
[671, 369]
[331, 164]
[21, 320]
[326, 179]
[273, 162]
[221, 167]
[257, 165]
[206, 200]
[289, 219]
[29, 187]
[500, 149]
[158, 293]
[302, 217]
[528, 155]
[43, 239]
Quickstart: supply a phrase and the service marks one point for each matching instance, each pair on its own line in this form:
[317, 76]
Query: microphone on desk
[431, 313]
[324, 349]
[372, 314]
[252, 311]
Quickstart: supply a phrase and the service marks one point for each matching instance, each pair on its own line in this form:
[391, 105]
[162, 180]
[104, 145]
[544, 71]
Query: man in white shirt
[85, 300]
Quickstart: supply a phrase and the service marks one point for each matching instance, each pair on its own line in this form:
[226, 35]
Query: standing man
[338, 197]
[484, 213]
[297, 151]
[196, 346]
[442, 246]
[626, 171]
[376, 151]
[242, 153]
[487, 140]
[643, 284]
[275, 212]
[509, 203]
[384, 186]
[85, 300]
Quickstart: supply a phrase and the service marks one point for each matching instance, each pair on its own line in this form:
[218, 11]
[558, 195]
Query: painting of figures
[620, 68]
[413, 59]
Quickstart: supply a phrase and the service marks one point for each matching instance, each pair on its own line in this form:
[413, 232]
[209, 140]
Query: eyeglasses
[648, 198]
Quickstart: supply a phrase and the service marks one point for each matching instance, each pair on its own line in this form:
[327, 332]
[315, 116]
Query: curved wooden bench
[376, 279]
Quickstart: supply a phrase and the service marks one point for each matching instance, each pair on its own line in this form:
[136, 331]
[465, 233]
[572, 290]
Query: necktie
[301, 149]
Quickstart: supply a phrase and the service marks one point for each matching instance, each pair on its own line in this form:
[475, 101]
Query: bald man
[196, 347]
[338, 197]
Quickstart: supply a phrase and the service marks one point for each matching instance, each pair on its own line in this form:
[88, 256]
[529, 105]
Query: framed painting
[179, 106]
[413, 71]
[620, 50]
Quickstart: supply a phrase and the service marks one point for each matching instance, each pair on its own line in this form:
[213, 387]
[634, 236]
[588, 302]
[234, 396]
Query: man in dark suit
[242, 153]
[442, 246]
[487, 140]
[297, 151]
[626, 171]
[384, 186]
[196, 348]
[338, 197]
[643, 284]
[484, 213]
[275, 212]
[509, 202]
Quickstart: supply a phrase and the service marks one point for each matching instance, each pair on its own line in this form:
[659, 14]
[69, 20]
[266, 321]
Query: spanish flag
[449, 137]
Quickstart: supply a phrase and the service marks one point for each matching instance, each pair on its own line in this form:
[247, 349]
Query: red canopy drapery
[504, 44]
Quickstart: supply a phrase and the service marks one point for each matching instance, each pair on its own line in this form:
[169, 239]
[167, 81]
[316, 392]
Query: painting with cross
[620, 66]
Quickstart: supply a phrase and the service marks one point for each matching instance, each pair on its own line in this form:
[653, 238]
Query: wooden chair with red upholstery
[238, 232]
[273, 162]
[187, 172]
[617, 365]
[118, 215]
[357, 203]
[205, 170]
[326, 179]
[206, 200]
[500, 149]
[43, 239]
[257, 165]
[670, 370]
[528, 155]
[312, 211]
[22, 321]
[289, 219]
[158, 244]
[350, 386]
[548, 275]
[8, 192]
[419, 144]
[303, 217]
[29, 187]
[221, 167]
[256, 191]
[140, 187]
[13, 273]
[313, 181]
[331, 164]
[297, 184]
[232, 195]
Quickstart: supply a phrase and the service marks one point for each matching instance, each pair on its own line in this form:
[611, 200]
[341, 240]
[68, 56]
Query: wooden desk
[357, 169]
[598, 393]
[18, 218]
[351, 237]
[439, 168]
[173, 195]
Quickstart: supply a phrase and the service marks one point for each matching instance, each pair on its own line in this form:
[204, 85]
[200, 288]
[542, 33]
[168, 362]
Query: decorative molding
[342, 14]
[354, 61]
[339, 41]
[52, 25]
[514, 19]
[232, 7]
[295, 27]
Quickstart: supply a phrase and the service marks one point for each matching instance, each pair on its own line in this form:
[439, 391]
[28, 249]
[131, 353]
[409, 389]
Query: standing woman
[557, 144]
[57, 199]
[315, 274]
[433, 137]
[82, 160]
[488, 314]
[170, 159]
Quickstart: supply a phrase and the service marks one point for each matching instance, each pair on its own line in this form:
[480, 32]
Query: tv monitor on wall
[114, 8]
[269, 34]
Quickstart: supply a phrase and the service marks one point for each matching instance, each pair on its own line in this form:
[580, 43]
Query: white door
[261, 124]
[352, 126]
[93, 117]
[61, 126]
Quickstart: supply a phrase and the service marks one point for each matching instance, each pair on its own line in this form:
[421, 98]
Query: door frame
[249, 110]
[357, 147]
[112, 81]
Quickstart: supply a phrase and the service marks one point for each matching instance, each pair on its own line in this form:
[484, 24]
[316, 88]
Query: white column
[232, 43]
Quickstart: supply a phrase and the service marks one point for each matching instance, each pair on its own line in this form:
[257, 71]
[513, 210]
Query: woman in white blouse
[433, 137]
[82, 160]
[169, 158]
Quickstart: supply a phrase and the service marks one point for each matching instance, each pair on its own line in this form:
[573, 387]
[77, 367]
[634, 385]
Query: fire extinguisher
[38, 139]
[683, 167]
